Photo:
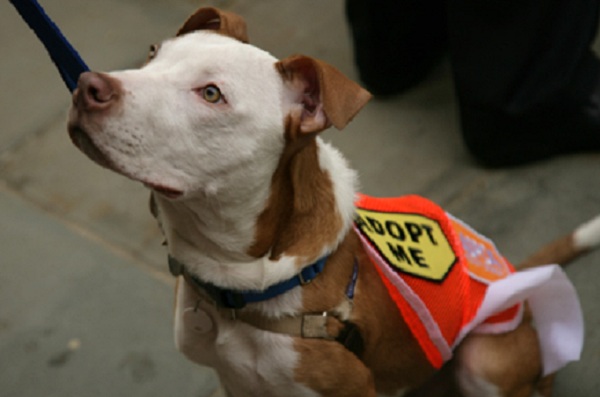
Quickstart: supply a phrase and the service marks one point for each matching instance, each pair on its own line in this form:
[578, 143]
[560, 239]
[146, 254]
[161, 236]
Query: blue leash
[65, 57]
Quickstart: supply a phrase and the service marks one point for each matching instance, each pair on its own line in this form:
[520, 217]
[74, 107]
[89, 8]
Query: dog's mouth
[84, 143]
[87, 146]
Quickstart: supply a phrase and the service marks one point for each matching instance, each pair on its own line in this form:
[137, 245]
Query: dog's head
[205, 106]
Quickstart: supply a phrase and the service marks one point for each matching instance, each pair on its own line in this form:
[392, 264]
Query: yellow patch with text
[411, 243]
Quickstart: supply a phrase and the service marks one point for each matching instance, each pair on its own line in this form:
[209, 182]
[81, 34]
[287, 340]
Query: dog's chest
[250, 362]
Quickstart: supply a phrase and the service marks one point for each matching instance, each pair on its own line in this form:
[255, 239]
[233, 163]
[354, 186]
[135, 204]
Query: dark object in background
[527, 82]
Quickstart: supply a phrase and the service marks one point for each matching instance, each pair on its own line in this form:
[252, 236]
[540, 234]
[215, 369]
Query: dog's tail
[566, 249]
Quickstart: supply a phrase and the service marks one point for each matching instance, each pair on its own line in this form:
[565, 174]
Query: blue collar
[236, 299]
[65, 57]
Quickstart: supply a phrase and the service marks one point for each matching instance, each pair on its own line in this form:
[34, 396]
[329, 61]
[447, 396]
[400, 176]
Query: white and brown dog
[275, 290]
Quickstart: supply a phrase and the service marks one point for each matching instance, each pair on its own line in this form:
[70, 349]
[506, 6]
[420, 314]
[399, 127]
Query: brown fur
[510, 360]
[301, 218]
[391, 353]
[301, 205]
[323, 84]
[348, 377]
[216, 20]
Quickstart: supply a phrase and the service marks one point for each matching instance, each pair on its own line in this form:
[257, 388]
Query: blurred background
[85, 294]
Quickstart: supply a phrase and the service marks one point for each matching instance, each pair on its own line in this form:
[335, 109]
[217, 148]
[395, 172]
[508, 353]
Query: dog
[278, 288]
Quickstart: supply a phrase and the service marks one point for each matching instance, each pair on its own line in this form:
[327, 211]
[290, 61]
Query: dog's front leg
[331, 370]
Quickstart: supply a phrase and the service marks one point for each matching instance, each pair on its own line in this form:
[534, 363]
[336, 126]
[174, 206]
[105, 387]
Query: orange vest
[436, 269]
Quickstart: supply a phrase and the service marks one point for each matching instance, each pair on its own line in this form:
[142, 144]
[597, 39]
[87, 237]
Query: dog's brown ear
[223, 22]
[326, 95]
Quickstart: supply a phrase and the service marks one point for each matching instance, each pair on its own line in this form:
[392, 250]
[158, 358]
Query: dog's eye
[212, 94]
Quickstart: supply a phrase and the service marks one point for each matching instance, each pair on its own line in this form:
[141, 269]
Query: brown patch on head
[222, 22]
[301, 217]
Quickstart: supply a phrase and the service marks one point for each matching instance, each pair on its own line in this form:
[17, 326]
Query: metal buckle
[314, 326]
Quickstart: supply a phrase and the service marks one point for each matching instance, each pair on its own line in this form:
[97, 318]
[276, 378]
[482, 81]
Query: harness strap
[65, 57]
[326, 325]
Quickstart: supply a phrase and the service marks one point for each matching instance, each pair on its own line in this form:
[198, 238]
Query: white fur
[221, 158]
[587, 235]
[250, 363]
[344, 180]
[165, 129]
[472, 385]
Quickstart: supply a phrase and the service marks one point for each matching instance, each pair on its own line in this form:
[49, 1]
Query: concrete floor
[86, 297]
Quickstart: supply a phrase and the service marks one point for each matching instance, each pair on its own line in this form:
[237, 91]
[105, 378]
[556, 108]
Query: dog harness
[447, 280]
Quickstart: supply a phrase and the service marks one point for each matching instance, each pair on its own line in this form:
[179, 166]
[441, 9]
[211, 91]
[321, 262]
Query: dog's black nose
[96, 91]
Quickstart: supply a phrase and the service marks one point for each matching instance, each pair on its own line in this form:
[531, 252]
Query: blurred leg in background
[527, 82]
[396, 42]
